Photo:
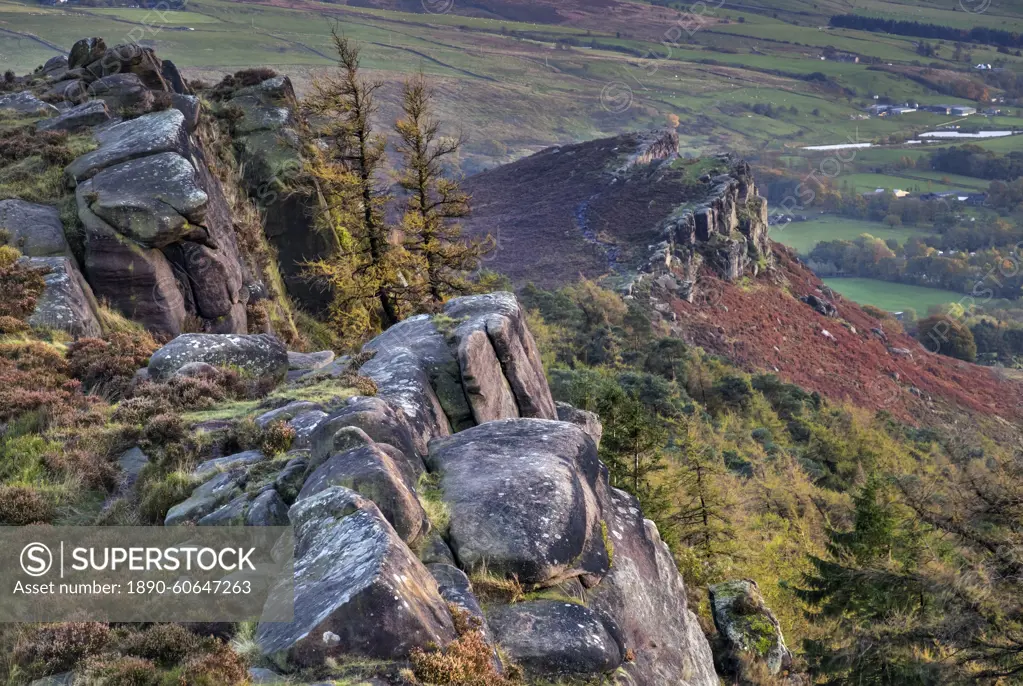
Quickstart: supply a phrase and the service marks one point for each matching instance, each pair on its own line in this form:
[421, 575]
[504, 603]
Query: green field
[894, 297]
[803, 236]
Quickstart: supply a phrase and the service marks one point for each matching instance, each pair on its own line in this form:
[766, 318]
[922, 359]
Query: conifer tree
[368, 275]
[434, 202]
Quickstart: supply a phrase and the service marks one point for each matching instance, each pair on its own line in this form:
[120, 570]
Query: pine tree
[434, 203]
[367, 274]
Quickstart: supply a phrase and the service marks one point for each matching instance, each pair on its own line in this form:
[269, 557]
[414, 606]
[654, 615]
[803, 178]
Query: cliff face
[462, 404]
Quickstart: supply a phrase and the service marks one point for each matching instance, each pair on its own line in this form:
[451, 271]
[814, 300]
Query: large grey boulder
[747, 627]
[149, 134]
[67, 302]
[523, 496]
[131, 463]
[261, 355]
[55, 65]
[35, 230]
[155, 200]
[552, 638]
[499, 316]
[78, 117]
[310, 361]
[643, 602]
[24, 103]
[380, 473]
[358, 589]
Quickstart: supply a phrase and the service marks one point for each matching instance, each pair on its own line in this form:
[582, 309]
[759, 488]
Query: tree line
[903, 27]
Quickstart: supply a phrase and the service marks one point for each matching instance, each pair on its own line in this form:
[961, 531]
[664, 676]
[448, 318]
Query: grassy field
[894, 297]
[803, 236]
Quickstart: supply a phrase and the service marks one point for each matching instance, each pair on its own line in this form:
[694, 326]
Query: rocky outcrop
[727, 230]
[261, 355]
[358, 588]
[748, 629]
[515, 501]
[159, 241]
[474, 363]
[267, 144]
[79, 117]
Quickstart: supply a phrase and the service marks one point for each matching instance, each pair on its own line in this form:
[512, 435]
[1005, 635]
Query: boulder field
[462, 423]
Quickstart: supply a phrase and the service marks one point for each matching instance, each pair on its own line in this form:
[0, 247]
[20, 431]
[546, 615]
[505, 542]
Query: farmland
[803, 236]
[894, 297]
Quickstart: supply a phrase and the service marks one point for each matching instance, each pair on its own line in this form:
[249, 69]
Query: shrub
[51, 146]
[139, 409]
[219, 667]
[20, 505]
[277, 438]
[467, 661]
[163, 429]
[122, 671]
[948, 336]
[108, 366]
[9, 325]
[164, 644]
[254, 76]
[53, 648]
[91, 466]
[20, 285]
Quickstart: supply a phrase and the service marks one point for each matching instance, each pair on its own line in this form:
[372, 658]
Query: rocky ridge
[462, 422]
[160, 243]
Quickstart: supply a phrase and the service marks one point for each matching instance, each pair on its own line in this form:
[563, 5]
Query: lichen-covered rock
[412, 368]
[312, 361]
[267, 509]
[523, 499]
[585, 420]
[78, 117]
[149, 134]
[155, 201]
[286, 412]
[290, 480]
[747, 626]
[137, 281]
[67, 303]
[55, 65]
[35, 230]
[383, 475]
[643, 602]
[222, 464]
[552, 638]
[260, 355]
[24, 103]
[379, 420]
[503, 321]
[358, 589]
[190, 107]
[130, 58]
[131, 463]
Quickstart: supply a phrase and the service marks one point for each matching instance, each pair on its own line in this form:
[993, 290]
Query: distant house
[992, 111]
[897, 192]
[902, 110]
[938, 109]
[845, 57]
[983, 67]
[976, 199]
[878, 110]
[963, 111]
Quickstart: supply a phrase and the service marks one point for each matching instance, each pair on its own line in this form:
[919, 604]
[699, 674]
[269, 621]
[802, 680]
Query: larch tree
[368, 274]
[434, 202]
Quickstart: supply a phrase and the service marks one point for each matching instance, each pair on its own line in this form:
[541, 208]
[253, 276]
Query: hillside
[599, 209]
